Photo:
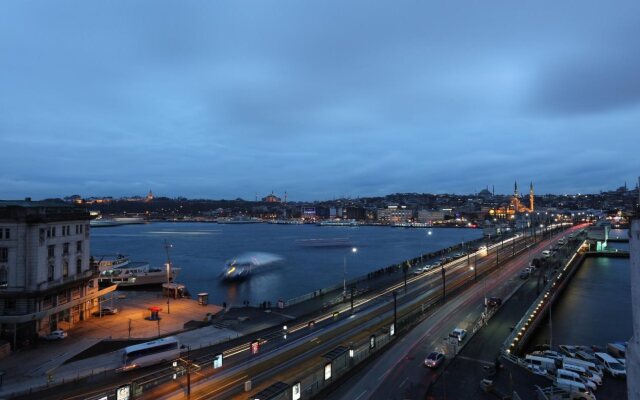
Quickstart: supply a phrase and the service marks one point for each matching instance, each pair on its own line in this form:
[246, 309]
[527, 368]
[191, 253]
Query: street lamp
[354, 250]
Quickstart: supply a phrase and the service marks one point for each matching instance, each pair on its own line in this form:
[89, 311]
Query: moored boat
[137, 273]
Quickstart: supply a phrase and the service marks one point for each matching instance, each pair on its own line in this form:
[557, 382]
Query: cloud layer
[229, 99]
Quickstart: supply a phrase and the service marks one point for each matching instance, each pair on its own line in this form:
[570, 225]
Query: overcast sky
[226, 99]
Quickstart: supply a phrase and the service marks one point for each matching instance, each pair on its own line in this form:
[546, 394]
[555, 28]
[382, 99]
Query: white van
[537, 363]
[546, 253]
[574, 376]
[589, 366]
[583, 372]
[576, 390]
[611, 365]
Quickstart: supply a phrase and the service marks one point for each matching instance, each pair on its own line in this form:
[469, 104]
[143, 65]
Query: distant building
[46, 280]
[430, 215]
[149, 197]
[394, 214]
[271, 199]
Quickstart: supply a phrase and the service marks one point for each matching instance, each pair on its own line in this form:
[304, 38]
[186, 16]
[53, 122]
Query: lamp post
[344, 272]
[475, 273]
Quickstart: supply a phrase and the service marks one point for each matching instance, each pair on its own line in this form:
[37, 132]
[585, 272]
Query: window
[65, 249]
[0, 233]
[11, 304]
[3, 277]
[7, 233]
[41, 236]
[79, 246]
[65, 268]
[51, 251]
[78, 266]
[4, 254]
[51, 271]
[53, 231]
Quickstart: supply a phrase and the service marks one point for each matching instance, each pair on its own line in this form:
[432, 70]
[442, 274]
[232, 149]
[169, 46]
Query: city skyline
[322, 101]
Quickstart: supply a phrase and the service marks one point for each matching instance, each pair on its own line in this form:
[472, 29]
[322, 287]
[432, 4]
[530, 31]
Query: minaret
[515, 189]
[531, 197]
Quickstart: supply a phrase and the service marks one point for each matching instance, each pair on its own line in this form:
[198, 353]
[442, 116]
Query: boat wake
[247, 264]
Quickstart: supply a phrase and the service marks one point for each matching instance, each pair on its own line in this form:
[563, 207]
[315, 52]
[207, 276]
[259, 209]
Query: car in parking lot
[58, 334]
[106, 310]
[434, 359]
[494, 301]
[459, 334]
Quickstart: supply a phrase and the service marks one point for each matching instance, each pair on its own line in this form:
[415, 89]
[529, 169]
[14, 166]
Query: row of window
[66, 231]
[65, 269]
[51, 249]
[5, 233]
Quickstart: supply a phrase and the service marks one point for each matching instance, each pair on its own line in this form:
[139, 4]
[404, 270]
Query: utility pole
[395, 299]
[188, 370]
[443, 283]
[352, 290]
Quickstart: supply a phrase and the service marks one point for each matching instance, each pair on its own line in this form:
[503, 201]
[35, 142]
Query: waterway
[201, 250]
[595, 308]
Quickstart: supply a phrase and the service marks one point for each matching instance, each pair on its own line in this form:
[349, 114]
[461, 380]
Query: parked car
[58, 334]
[546, 253]
[524, 274]
[494, 301]
[434, 359]
[106, 310]
[459, 334]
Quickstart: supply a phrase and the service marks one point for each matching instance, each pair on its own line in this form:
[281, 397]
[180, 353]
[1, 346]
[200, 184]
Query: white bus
[149, 353]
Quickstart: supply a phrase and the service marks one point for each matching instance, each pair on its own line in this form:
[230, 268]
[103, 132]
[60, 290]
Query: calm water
[202, 249]
[596, 306]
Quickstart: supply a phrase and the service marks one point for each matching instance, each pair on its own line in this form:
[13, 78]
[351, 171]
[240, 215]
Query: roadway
[400, 374]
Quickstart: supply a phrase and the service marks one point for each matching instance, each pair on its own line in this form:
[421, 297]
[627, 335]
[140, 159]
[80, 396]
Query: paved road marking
[403, 382]
[360, 395]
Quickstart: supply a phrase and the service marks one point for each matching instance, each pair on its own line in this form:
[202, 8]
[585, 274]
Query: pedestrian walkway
[44, 362]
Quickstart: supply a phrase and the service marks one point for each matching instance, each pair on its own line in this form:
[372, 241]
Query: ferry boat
[105, 222]
[338, 222]
[137, 273]
[286, 222]
[112, 261]
[246, 264]
[239, 220]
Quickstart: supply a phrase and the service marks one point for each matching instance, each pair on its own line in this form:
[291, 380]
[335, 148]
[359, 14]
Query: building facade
[46, 279]
[394, 214]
